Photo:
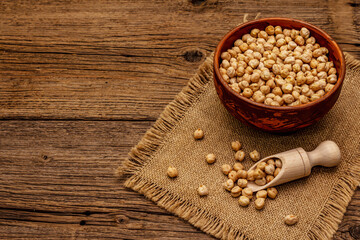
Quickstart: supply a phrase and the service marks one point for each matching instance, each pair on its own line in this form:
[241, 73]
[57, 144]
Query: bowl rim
[278, 108]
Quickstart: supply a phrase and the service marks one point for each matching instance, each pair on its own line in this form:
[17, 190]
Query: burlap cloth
[319, 200]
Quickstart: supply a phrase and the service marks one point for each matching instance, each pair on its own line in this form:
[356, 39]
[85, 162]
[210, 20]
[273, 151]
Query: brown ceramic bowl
[271, 118]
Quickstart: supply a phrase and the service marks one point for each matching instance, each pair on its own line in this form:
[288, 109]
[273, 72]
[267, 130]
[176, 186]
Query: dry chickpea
[332, 71]
[247, 192]
[288, 98]
[228, 185]
[210, 158]
[271, 161]
[270, 30]
[198, 134]
[259, 98]
[255, 156]
[268, 101]
[314, 97]
[244, 201]
[239, 155]
[291, 219]
[226, 168]
[329, 87]
[277, 171]
[259, 203]
[172, 172]
[241, 174]
[279, 100]
[278, 163]
[278, 30]
[260, 182]
[261, 166]
[236, 146]
[233, 175]
[226, 56]
[255, 77]
[277, 91]
[269, 169]
[235, 191]
[203, 190]
[269, 178]
[272, 192]
[331, 79]
[250, 175]
[261, 194]
[242, 183]
[259, 174]
[287, 88]
[303, 99]
[238, 166]
[247, 92]
[254, 32]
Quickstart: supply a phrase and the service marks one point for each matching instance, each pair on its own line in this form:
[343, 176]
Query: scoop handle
[327, 154]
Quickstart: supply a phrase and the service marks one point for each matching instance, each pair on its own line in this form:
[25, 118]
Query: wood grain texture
[98, 73]
[127, 59]
[57, 181]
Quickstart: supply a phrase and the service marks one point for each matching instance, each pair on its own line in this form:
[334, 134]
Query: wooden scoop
[297, 163]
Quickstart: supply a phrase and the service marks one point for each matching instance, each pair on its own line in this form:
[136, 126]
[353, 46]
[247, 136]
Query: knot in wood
[193, 55]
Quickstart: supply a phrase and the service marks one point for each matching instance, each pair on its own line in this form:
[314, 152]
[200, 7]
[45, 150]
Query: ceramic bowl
[272, 118]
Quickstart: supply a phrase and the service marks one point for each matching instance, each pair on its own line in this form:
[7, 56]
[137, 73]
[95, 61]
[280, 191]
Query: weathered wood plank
[56, 181]
[126, 59]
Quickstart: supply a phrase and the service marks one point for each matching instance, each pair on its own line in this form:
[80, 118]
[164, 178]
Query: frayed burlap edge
[323, 227]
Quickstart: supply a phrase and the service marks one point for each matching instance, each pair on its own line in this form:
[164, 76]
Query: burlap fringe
[322, 228]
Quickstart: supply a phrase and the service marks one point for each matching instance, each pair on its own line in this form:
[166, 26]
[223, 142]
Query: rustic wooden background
[81, 81]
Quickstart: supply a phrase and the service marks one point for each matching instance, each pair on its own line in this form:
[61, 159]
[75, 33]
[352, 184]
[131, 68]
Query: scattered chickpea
[236, 191]
[236, 146]
[226, 168]
[247, 192]
[233, 175]
[272, 192]
[203, 190]
[244, 201]
[210, 158]
[241, 174]
[172, 172]
[261, 194]
[238, 166]
[239, 155]
[229, 184]
[198, 134]
[255, 156]
[291, 219]
[259, 203]
[250, 175]
[242, 183]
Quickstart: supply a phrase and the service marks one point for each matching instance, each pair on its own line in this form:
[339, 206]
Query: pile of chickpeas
[278, 67]
[238, 177]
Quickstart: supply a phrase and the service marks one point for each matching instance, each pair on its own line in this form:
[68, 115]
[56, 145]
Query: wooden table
[81, 82]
